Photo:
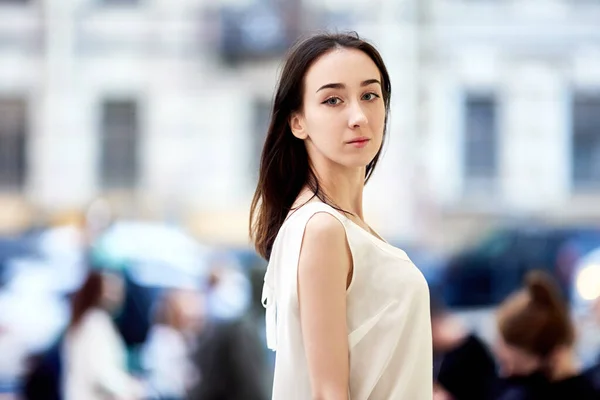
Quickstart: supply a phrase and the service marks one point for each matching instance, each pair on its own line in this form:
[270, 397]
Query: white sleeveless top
[387, 314]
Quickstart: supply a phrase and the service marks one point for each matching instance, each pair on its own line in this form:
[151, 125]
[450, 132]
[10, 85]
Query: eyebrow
[342, 86]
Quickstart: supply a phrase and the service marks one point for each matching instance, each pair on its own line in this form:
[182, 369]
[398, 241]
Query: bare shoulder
[322, 228]
[324, 243]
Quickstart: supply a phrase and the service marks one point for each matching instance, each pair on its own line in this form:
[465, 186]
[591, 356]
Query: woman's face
[439, 393]
[514, 361]
[113, 291]
[343, 113]
[191, 307]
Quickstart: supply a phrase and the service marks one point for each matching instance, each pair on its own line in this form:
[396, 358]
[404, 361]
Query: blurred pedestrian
[229, 355]
[535, 353]
[94, 356]
[166, 355]
[230, 361]
[347, 312]
[593, 373]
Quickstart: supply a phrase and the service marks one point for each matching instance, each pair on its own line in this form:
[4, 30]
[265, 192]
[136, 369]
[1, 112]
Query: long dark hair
[87, 297]
[284, 166]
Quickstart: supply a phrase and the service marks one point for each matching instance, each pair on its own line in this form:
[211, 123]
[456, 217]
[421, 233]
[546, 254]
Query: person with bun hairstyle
[534, 351]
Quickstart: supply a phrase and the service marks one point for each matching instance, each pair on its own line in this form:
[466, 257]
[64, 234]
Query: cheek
[325, 127]
[503, 355]
[377, 120]
[324, 119]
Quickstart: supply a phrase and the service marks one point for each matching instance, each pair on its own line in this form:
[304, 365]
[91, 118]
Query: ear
[297, 126]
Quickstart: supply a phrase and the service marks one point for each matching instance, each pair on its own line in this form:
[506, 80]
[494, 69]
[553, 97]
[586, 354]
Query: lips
[359, 140]
[359, 143]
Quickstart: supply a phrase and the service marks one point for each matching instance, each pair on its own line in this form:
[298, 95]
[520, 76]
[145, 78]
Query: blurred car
[156, 254]
[253, 267]
[247, 257]
[484, 274]
[585, 289]
[12, 248]
[28, 283]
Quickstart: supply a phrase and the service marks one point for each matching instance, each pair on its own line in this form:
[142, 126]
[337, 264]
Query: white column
[534, 153]
[63, 176]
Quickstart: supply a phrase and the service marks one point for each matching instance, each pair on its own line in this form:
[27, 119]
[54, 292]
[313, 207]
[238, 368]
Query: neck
[342, 186]
[564, 365]
[344, 189]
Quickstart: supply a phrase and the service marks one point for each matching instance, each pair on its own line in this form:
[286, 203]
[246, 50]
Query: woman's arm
[323, 269]
[107, 361]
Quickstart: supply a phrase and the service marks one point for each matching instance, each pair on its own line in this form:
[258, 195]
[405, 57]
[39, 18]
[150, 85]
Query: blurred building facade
[161, 107]
[510, 110]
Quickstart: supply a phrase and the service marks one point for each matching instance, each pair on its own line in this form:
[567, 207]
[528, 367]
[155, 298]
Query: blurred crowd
[131, 310]
[117, 99]
[532, 355]
[123, 309]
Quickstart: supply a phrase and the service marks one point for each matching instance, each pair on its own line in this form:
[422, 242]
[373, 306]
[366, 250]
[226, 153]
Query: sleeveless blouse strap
[269, 292]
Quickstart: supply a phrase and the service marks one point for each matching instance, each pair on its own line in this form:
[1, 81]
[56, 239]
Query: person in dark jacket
[534, 351]
[42, 381]
[231, 363]
[593, 373]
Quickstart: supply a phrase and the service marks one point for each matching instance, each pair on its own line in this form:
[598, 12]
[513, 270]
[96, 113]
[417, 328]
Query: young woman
[347, 312]
[95, 366]
[535, 352]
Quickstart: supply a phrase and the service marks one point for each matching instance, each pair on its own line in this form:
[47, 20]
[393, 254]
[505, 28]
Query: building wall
[532, 58]
[199, 148]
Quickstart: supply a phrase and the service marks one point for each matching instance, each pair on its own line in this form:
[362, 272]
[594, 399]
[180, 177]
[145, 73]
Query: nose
[357, 117]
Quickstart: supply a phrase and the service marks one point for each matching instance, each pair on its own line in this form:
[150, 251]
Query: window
[261, 29]
[13, 143]
[261, 116]
[480, 141]
[586, 141]
[119, 146]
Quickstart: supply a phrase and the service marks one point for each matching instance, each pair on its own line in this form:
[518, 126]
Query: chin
[354, 164]
[360, 162]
